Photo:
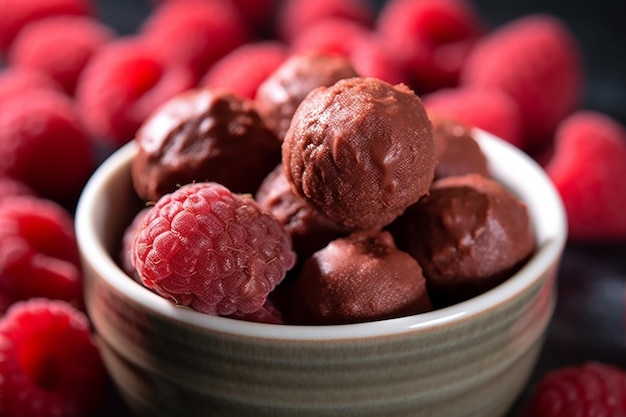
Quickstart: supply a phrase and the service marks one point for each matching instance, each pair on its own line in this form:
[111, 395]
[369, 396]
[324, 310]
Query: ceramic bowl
[470, 359]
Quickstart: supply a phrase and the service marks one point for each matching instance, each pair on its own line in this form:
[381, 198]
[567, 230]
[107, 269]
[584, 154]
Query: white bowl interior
[106, 206]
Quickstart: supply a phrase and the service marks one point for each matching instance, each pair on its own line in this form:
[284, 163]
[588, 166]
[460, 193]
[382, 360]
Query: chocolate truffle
[281, 93]
[310, 229]
[456, 150]
[360, 151]
[359, 278]
[203, 135]
[469, 235]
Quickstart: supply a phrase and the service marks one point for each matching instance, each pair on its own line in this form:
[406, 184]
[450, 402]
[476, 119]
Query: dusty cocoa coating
[281, 93]
[469, 234]
[360, 151]
[456, 150]
[310, 229]
[203, 135]
[359, 278]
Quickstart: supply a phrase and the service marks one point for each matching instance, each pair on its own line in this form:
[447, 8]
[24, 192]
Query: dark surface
[588, 322]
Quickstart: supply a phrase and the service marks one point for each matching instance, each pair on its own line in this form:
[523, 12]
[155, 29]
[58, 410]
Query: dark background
[588, 324]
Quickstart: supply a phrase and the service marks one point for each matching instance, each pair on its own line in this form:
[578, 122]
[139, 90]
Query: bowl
[469, 359]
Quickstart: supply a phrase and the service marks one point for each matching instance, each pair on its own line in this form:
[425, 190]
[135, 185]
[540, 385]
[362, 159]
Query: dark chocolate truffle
[360, 151]
[359, 278]
[456, 150]
[310, 229]
[203, 135]
[469, 235]
[281, 93]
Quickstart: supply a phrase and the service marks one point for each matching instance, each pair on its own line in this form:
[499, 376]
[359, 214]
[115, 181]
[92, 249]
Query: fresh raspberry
[38, 252]
[59, 46]
[295, 16]
[269, 314]
[490, 109]
[331, 36]
[217, 252]
[127, 244]
[44, 144]
[16, 14]
[49, 363]
[586, 390]
[256, 13]
[431, 38]
[195, 33]
[233, 72]
[371, 58]
[10, 187]
[587, 167]
[122, 84]
[19, 80]
[537, 61]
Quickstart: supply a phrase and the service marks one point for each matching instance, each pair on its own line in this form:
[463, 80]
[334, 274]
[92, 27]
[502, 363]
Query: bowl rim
[551, 231]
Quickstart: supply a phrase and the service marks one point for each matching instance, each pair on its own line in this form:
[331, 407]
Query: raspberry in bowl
[469, 357]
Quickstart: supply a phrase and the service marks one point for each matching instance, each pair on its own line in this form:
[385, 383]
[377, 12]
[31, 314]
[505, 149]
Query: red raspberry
[122, 84]
[49, 363]
[590, 389]
[371, 58]
[257, 13]
[38, 253]
[19, 80]
[490, 109]
[537, 61]
[587, 167]
[330, 36]
[127, 244]
[44, 144]
[269, 313]
[195, 33]
[233, 72]
[432, 38]
[59, 46]
[295, 16]
[217, 252]
[10, 187]
[16, 14]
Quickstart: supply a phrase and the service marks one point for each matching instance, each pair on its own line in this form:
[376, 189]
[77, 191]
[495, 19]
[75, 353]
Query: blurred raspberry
[195, 33]
[19, 80]
[44, 144]
[122, 84]
[296, 16]
[431, 38]
[591, 389]
[59, 46]
[16, 14]
[371, 58]
[329, 36]
[490, 109]
[49, 363]
[234, 72]
[537, 61]
[207, 248]
[38, 252]
[587, 167]
[11, 187]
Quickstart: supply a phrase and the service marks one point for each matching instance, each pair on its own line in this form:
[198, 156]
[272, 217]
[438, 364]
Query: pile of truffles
[388, 212]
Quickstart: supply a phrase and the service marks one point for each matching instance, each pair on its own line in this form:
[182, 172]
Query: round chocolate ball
[359, 278]
[360, 151]
[203, 135]
[469, 235]
[279, 96]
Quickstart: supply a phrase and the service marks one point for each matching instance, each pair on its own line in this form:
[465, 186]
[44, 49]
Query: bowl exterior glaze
[471, 359]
